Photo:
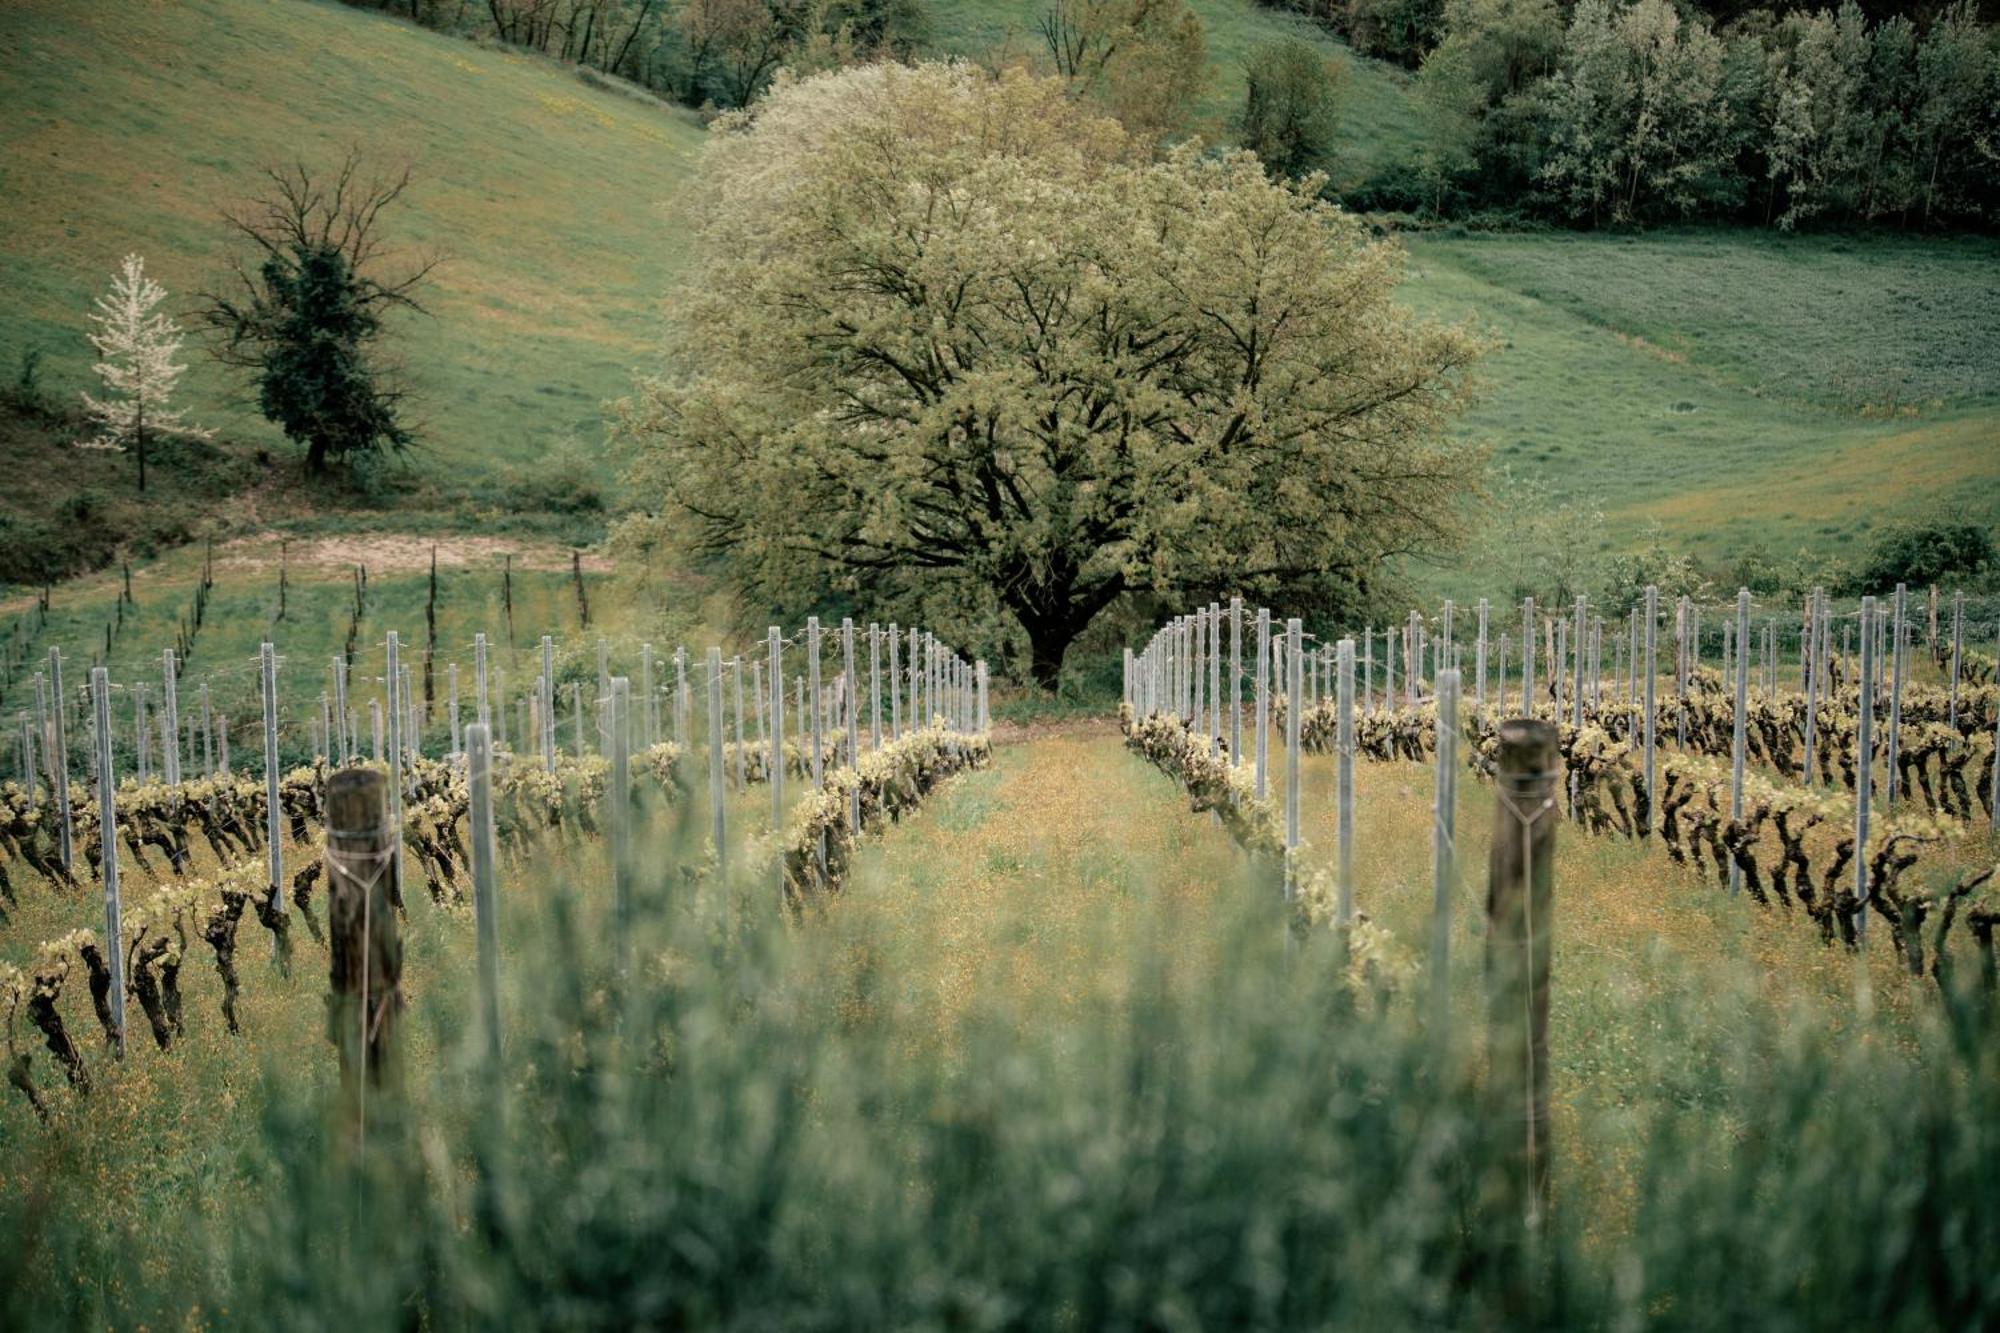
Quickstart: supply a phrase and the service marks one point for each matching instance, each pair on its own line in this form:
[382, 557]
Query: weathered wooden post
[107, 838]
[874, 686]
[481, 709]
[576, 717]
[395, 760]
[545, 697]
[1520, 934]
[1527, 657]
[680, 696]
[813, 694]
[1263, 698]
[274, 828]
[736, 686]
[1957, 650]
[59, 762]
[1898, 641]
[1864, 760]
[1235, 681]
[457, 733]
[853, 728]
[142, 734]
[1294, 666]
[1652, 712]
[716, 816]
[1444, 851]
[482, 850]
[895, 682]
[364, 946]
[650, 703]
[618, 799]
[979, 681]
[1479, 663]
[1739, 729]
[170, 716]
[1343, 744]
[207, 729]
[1809, 664]
[774, 649]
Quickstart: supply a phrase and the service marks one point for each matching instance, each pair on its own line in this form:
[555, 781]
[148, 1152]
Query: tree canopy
[953, 331]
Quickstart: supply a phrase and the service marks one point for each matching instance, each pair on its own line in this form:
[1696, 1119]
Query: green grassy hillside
[130, 126]
[1377, 124]
[1741, 390]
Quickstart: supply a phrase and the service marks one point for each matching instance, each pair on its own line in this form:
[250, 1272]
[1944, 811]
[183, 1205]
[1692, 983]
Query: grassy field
[130, 127]
[1740, 390]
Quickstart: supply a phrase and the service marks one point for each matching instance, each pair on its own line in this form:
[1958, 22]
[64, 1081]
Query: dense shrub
[1923, 554]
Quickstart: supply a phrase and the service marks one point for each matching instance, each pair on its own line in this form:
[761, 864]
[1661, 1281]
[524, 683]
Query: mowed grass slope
[130, 126]
[1741, 390]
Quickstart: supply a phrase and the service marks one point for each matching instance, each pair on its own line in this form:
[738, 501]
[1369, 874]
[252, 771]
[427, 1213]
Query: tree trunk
[1047, 645]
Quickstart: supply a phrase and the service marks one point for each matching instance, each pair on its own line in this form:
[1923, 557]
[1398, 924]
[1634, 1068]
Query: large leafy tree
[949, 331]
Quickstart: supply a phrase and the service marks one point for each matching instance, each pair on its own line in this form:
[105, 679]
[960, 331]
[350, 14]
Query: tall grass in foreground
[730, 1123]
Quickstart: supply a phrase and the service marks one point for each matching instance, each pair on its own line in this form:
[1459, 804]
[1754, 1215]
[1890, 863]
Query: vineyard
[220, 841]
[1004, 666]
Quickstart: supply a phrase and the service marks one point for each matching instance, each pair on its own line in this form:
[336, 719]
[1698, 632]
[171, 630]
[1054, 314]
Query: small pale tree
[948, 336]
[136, 344]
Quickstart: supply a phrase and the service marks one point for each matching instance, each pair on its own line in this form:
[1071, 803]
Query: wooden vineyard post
[107, 839]
[1579, 632]
[650, 708]
[457, 734]
[1197, 627]
[1527, 657]
[1520, 931]
[395, 761]
[1897, 631]
[1809, 664]
[1993, 796]
[812, 696]
[736, 684]
[1740, 725]
[1368, 668]
[481, 709]
[1479, 664]
[545, 694]
[1957, 648]
[1864, 762]
[895, 637]
[273, 810]
[576, 716]
[482, 852]
[1263, 699]
[618, 800]
[680, 697]
[716, 817]
[874, 686]
[364, 946]
[776, 738]
[1651, 716]
[1214, 678]
[170, 718]
[1343, 744]
[207, 730]
[141, 734]
[852, 710]
[1235, 681]
[1506, 643]
[59, 762]
[979, 683]
[1294, 664]
[1444, 852]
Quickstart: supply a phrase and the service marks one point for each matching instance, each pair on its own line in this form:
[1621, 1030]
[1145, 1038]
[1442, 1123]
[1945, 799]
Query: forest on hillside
[1588, 114]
